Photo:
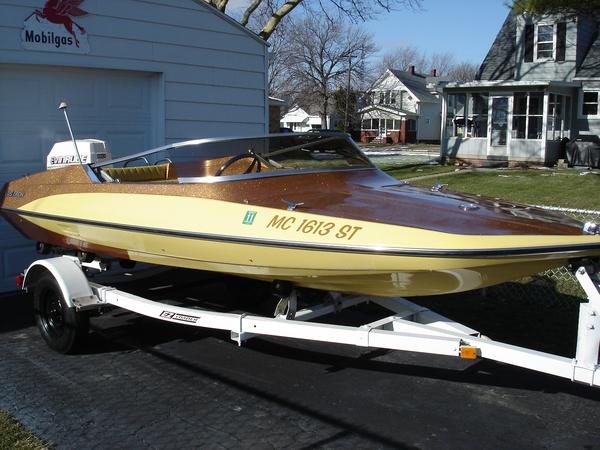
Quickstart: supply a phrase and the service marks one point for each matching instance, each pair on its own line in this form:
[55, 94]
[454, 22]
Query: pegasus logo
[60, 12]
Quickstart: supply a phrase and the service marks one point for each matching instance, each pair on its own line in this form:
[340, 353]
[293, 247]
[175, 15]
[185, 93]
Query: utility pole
[346, 121]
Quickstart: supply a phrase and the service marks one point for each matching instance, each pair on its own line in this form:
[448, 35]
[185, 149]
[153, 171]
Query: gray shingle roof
[590, 67]
[499, 64]
[416, 84]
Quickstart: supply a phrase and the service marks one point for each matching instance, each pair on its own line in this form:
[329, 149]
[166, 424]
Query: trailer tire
[63, 328]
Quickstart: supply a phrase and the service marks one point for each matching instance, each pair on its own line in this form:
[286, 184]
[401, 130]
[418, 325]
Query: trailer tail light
[468, 352]
[19, 279]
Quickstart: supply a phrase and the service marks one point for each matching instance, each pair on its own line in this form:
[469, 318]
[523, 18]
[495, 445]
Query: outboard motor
[63, 154]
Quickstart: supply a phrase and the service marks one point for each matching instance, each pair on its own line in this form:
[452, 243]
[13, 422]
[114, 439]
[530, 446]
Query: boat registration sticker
[249, 217]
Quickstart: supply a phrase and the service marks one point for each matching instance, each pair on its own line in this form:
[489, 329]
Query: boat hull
[310, 250]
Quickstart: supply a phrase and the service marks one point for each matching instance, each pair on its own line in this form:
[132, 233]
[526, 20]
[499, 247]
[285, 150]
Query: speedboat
[308, 209]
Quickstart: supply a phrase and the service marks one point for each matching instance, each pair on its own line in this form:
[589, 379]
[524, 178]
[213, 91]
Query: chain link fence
[555, 287]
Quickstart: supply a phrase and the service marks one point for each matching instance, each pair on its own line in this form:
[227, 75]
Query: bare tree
[323, 54]
[402, 57]
[445, 65]
[355, 10]
[279, 51]
[463, 72]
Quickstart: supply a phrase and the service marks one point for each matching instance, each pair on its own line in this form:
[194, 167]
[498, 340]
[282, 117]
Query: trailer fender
[68, 274]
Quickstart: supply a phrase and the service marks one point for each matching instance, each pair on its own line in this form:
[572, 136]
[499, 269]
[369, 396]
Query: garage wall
[213, 71]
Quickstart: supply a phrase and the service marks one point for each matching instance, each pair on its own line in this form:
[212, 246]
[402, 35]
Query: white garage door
[118, 107]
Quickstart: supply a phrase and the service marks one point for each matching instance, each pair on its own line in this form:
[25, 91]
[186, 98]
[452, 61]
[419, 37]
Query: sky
[464, 28]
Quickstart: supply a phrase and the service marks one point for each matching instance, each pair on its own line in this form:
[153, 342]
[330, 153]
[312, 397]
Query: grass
[14, 436]
[567, 188]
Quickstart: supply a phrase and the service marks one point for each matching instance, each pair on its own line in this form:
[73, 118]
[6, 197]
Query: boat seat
[159, 172]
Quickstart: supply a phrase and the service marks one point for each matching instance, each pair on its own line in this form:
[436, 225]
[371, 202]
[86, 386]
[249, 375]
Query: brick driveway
[143, 384]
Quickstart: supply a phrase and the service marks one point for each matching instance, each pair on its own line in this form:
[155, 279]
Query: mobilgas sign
[53, 28]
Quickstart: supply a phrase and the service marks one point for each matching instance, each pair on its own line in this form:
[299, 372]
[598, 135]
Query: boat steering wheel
[255, 163]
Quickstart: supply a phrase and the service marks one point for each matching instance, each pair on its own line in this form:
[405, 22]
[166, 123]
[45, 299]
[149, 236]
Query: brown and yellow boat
[307, 208]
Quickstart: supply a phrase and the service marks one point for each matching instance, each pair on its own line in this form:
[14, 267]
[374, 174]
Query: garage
[135, 74]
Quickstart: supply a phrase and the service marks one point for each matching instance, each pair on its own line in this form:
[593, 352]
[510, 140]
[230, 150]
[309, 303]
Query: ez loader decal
[180, 317]
[312, 226]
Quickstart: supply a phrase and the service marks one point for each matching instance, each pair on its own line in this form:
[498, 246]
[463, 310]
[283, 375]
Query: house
[537, 87]
[299, 120]
[402, 107]
[275, 105]
[136, 74]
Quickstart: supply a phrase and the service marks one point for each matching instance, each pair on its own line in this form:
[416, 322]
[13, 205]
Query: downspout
[443, 138]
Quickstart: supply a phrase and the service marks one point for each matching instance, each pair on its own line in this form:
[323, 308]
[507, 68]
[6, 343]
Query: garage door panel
[78, 92]
[16, 92]
[19, 147]
[127, 143]
[128, 94]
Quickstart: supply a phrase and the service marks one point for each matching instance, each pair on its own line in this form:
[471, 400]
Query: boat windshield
[191, 160]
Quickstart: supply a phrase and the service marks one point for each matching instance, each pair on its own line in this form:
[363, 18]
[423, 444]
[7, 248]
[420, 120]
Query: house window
[370, 124]
[387, 97]
[411, 125]
[381, 97]
[393, 97]
[478, 114]
[455, 116]
[590, 104]
[548, 40]
[528, 116]
[545, 41]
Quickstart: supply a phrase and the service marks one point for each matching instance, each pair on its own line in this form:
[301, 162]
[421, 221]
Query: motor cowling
[64, 153]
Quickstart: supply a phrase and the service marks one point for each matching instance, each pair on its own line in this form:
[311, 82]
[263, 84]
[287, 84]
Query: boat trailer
[67, 295]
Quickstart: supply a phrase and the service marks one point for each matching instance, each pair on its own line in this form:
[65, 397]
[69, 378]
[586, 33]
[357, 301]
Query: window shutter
[561, 40]
[528, 54]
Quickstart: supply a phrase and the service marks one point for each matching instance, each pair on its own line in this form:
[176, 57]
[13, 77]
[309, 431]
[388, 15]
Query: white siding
[212, 70]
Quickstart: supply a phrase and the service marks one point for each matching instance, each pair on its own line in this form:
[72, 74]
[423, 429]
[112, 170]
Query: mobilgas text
[43, 37]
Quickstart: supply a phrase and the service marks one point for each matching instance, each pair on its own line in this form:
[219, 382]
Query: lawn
[567, 188]
[14, 436]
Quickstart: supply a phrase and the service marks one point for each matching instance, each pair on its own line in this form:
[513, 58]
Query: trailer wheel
[61, 327]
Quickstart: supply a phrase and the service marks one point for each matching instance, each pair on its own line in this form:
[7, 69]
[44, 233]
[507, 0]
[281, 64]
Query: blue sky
[465, 28]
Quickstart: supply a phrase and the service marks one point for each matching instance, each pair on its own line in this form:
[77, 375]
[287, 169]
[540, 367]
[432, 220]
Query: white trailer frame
[410, 327]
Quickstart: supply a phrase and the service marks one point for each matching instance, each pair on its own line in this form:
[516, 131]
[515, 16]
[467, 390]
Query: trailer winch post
[588, 332]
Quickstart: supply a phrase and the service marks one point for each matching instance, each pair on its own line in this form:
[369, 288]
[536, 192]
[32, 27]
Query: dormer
[540, 48]
[546, 48]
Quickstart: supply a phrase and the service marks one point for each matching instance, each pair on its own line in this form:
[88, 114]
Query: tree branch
[249, 10]
[285, 9]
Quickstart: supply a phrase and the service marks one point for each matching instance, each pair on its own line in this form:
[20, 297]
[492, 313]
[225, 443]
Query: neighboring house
[275, 105]
[143, 74]
[537, 87]
[402, 107]
[299, 120]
